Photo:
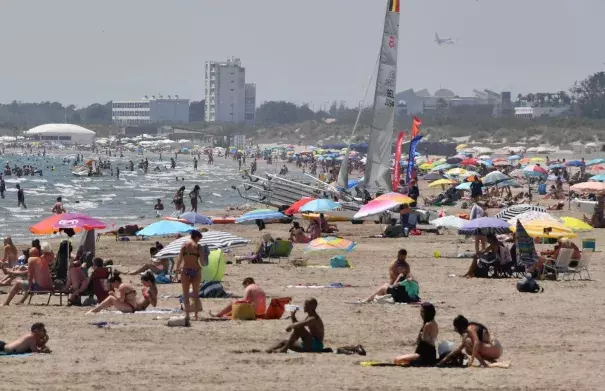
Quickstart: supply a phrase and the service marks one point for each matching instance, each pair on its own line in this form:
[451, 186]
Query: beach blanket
[313, 286]
[4, 354]
[151, 311]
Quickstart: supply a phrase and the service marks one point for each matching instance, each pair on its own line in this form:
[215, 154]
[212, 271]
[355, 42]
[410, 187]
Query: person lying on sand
[33, 342]
[476, 342]
[253, 294]
[399, 271]
[125, 299]
[38, 278]
[157, 266]
[426, 353]
[310, 332]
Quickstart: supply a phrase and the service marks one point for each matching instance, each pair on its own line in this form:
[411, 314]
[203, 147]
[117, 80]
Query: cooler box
[589, 244]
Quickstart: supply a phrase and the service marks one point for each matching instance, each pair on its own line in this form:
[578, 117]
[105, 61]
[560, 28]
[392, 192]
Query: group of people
[179, 199]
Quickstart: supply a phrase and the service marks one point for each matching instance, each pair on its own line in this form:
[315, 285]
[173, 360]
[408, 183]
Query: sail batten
[378, 165]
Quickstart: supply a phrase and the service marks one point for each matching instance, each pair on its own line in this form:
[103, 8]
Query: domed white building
[61, 133]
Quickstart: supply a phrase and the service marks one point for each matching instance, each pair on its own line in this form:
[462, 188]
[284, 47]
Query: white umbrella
[212, 239]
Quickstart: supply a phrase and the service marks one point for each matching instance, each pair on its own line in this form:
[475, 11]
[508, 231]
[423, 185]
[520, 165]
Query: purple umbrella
[485, 226]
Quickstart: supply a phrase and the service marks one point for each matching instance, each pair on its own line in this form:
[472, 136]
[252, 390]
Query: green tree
[590, 95]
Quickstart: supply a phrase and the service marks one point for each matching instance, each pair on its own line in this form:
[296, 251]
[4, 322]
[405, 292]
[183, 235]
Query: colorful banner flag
[394, 5]
[416, 126]
[397, 172]
[412, 158]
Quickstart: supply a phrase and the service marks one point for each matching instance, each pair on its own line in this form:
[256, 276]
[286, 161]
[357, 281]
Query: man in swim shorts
[310, 332]
[33, 342]
[253, 294]
[39, 278]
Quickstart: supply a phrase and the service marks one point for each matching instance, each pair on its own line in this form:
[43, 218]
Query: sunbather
[476, 342]
[253, 294]
[310, 332]
[32, 342]
[398, 272]
[125, 298]
[550, 257]
[297, 234]
[326, 227]
[39, 278]
[426, 353]
[157, 266]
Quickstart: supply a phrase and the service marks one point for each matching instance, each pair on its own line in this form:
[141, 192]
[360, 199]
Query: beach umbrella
[456, 171]
[442, 182]
[594, 162]
[534, 170]
[502, 164]
[330, 243]
[597, 168]
[514, 157]
[75, 221]
[484, 226]
[516, 174]
[557, 165]
[261, 214]
[576, 225]
[464, 186]
[196, 218]
[382, 203]
[546, 228]
[454, 160]
[295, 207]
[212, 239]
[508, 183]
[494, 178]
[470, 162]
[433, 176]
[319, 205]
[461, 147]
[532, 216]
[165, 227]
[516, 210]
[597, 178]
[487, 163]
[442, 167]
[575, 163]
[537, 160]
[589, 187]
[453, 222]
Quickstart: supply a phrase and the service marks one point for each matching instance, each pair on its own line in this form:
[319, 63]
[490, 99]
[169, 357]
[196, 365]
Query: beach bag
[529, 285]
[400, 294]
[339, 261]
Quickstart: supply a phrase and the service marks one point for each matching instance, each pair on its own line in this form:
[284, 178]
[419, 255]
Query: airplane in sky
[443, 41]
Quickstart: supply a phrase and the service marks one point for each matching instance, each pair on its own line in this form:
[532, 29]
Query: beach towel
[163, 311]
[4, 354]
[526, 249]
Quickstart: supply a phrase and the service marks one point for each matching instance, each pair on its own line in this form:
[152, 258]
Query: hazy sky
[80, 52]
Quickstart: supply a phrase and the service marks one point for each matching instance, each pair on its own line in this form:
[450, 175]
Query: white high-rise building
[225, 91]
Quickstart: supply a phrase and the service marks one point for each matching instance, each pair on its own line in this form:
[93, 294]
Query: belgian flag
[394, 5]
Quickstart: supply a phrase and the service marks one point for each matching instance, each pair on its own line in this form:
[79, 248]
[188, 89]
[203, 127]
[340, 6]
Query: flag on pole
[394, 5]
[397, 172]
[416, 126]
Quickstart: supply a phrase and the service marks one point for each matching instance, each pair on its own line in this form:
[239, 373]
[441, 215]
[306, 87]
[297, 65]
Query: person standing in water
[195, 163]
[58, 208]
[178, 201]
[193, 257]
[2, 187]
[20, 197]
[194, 196]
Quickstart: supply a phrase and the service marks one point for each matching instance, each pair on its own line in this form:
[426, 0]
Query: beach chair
[59, 293]
[582, 265]
[561, 265]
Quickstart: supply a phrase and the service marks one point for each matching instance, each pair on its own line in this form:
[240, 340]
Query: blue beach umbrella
[261, 214]
[196, 218]
[165, 227]
[320, 205]
[598, 178]
[594, 162]
[514, 157]
[574, 163]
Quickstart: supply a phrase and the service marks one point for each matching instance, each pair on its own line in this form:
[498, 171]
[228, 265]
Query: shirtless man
[310, 332]
[33, 342]
[39, 278]
[58, 207]
[253, 294]
[193, 256]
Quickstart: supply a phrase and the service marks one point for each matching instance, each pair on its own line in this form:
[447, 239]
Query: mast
[378, 165]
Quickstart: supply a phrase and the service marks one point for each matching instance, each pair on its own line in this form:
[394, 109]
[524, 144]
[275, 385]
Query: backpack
[529, 285]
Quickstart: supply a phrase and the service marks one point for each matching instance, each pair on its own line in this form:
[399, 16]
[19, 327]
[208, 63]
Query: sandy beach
[550, 338]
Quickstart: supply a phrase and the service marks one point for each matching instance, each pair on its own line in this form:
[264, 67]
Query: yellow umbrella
[426, 166]
[456, 171]
[537, 159]
[576, 225]
[441, 182]
[546, 229]
[461, 146]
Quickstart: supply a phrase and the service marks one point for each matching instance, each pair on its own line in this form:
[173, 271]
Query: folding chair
[582, 265]
[561, 265]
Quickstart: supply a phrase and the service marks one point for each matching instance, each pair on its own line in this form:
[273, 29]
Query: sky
[313, 51]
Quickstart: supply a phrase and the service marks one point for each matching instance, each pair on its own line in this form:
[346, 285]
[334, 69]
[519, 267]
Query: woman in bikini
[177, 200]
[193, 256]
[194, 196]
[426, 353]
[10, 260]
[122, 296]
[476, 342]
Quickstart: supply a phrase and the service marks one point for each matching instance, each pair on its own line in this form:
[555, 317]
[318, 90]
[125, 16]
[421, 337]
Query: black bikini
[481, 330]
[426, 351]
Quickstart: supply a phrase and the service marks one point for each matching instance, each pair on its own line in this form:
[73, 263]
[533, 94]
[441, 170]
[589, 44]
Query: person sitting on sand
[157, 266]
[399, 271]
[476, 342]
[490, 255]
[326, 227]
[39, 278]
[33, 342]
[253, 294]
[125, 299]
[297, 234]
[314, 230]
[426, 353]
[310, 332]
[193, 256]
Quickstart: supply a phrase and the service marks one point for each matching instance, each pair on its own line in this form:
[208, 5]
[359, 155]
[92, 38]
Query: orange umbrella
[75, 221]
[294, 208]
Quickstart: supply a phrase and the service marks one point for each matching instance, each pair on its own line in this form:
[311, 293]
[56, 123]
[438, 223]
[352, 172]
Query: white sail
[378, 165]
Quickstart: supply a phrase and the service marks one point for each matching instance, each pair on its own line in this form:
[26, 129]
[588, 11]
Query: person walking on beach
[193, 257]
[194, 196]
[20, 197]
[178, 201]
